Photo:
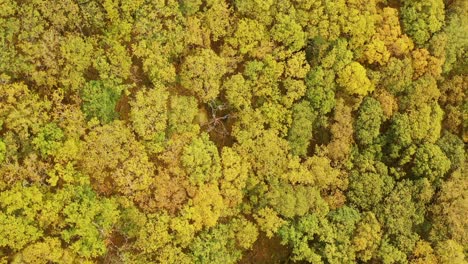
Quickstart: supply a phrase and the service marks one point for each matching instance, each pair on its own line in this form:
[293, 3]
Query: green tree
[249, 36]
[201, 74]
[90, 221]
[149, 112]
[449, 251]
[430, 162]
[201, 160]
[19, 208]
[421, 19]
[216, 246]
[238, 92]
[288, 33]
[368, 121]
[3, 151]
[366, 190]
[300, 132]
[100, 101]
[49, 139]
[182, 112]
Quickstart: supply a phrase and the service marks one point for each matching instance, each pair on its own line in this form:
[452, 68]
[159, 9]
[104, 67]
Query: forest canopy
[234, 131]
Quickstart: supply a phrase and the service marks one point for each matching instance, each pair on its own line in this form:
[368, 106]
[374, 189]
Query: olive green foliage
[2, 151]
[300, 132]
[233, 131]
[99, 101]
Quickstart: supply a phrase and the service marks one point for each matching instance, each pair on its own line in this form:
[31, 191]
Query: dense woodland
[233, 131]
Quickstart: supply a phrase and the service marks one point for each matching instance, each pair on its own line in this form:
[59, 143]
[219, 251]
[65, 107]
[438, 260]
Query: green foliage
[288, 32]
[248, 36]
[238, 92]
[430, 162]
[300, 132]
[45, 251]
[366, 190]
[320, 93]
[3, 151]
[422, 18]
[19, 207]
[116, 161]
[183, 110]
[201, 74]
[90, 221]
[368, 121]
[367, 237]
[100, 101]
[48, 140]
[290, 201]
[450, 251]
[449, 210]
[400, 214]
[149, 112]
[216, 246]
[201, 160]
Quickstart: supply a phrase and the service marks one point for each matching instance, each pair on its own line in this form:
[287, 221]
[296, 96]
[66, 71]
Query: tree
[449, 251]
[430, 161]
[49, 139]
[43, 252]
[149, 116]
[77, 53]
[233, 180]
[149, 112]
[399, 214]
[320, 93]
[218, 19]
[421, 19]
[268, 221]
[291, 201]
[3, 151]
[353, 79]
[449, 219]
[368, 121]
[339, 248]
[249, 36]
[117, 162]
[259, 10]
[389, 31]
[22, 112]
[456, 43]
[216, 246]
[100, 101]
[300, 133]
[451, 100]
[298, 233]
[89, 222]
[288, 33]
[366, 190]
[367, 236]
[201, 74]
[423, 253]
[342, 132]
[201, 160]
[182, 112]
[453, 148]
[238, 92]
[156, 65]
[19, 208]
